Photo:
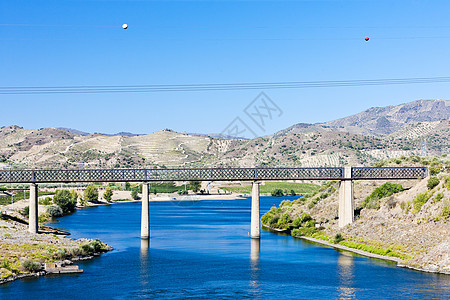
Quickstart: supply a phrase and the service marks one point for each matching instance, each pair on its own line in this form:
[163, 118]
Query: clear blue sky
[71, 43]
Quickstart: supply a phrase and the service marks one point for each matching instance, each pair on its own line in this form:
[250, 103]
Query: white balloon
[125, 26]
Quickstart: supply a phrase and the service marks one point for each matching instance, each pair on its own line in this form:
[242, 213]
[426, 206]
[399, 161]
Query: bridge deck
[210, 174]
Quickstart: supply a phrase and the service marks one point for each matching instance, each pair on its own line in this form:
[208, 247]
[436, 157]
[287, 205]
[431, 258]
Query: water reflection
[346, 275]
[145, 243]
[144, 262]
[255, 245]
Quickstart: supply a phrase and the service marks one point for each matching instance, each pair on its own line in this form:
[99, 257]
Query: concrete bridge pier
[33, 209]
[255, 230]
[346, 201]
[145, 217]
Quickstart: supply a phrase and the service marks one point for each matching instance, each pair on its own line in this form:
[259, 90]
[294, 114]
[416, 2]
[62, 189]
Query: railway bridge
[346, 176]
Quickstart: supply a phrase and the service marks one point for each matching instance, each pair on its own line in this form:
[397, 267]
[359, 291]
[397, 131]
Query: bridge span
[345, 176]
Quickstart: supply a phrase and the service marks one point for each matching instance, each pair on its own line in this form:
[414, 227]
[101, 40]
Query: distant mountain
[82, 133]
[74, 131]
[361, 139]
[219, 136]
[122, 134]
[380, 121]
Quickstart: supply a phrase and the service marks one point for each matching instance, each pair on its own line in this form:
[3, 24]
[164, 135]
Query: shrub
[61, 253]
[421, 199]
[134, 194]
[432, 182]
[274, 220]
[447, 182]
[439, 197]
[310, 223]
[25, 211]
[108, 194]
[446, 209]
[45, 201]
[5, 264]
[286, 203]
[297, 222]
[306, 231]
[91, 193]
[385, 190]
[64, 200]
[74, 195]
[305, 217]
[284, 220]
[293, 193]
[55, 211]
[195, 185]
[324, 195]
[31, 266]
[43, 218]
[96, 245]
[277, 193]
[313, 202]
[338, 238]
[434, 170]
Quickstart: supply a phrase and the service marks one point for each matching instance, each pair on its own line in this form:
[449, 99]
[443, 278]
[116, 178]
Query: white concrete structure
[346, 201]
[145, 217]
[33, 209]
[255, 230]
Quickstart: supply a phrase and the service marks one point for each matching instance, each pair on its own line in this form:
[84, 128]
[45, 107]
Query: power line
[97, 89]
[186, 26]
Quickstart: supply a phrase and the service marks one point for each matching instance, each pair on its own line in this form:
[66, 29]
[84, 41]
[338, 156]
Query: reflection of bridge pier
[255, 245]
[344, 175]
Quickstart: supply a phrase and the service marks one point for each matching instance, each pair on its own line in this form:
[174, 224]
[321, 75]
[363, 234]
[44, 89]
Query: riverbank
[399, 262]
[24, 254]
[394, 226]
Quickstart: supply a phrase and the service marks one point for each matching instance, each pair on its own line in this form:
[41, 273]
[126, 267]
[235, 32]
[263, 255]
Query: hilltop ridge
[361, 139]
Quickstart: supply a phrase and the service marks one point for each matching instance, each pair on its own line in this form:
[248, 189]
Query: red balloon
[367, 38]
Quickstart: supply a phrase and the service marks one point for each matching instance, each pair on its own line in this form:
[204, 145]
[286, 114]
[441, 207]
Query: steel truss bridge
[209, 174]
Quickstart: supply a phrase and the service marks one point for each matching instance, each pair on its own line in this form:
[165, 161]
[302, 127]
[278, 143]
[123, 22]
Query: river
[202, 250]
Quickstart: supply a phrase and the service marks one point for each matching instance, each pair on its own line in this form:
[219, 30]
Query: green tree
[108, 194]
[195, 185]
[74, 195]
[432, 182]
[134, 194]
[385, 190]
[55, 211]
[127, 186]
[91, 194]
[277, 193]
[65, 201]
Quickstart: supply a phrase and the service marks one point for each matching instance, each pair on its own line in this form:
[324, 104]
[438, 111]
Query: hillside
[412, 225]
[363, 139]
[380, 121]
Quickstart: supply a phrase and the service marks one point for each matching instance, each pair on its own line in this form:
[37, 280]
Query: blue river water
[202, 250]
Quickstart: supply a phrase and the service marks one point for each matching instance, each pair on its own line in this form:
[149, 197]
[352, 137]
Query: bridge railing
[389, 173]
[207, 174]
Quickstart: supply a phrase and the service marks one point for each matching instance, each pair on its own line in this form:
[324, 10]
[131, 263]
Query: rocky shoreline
[411, 224]
[24, 254]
